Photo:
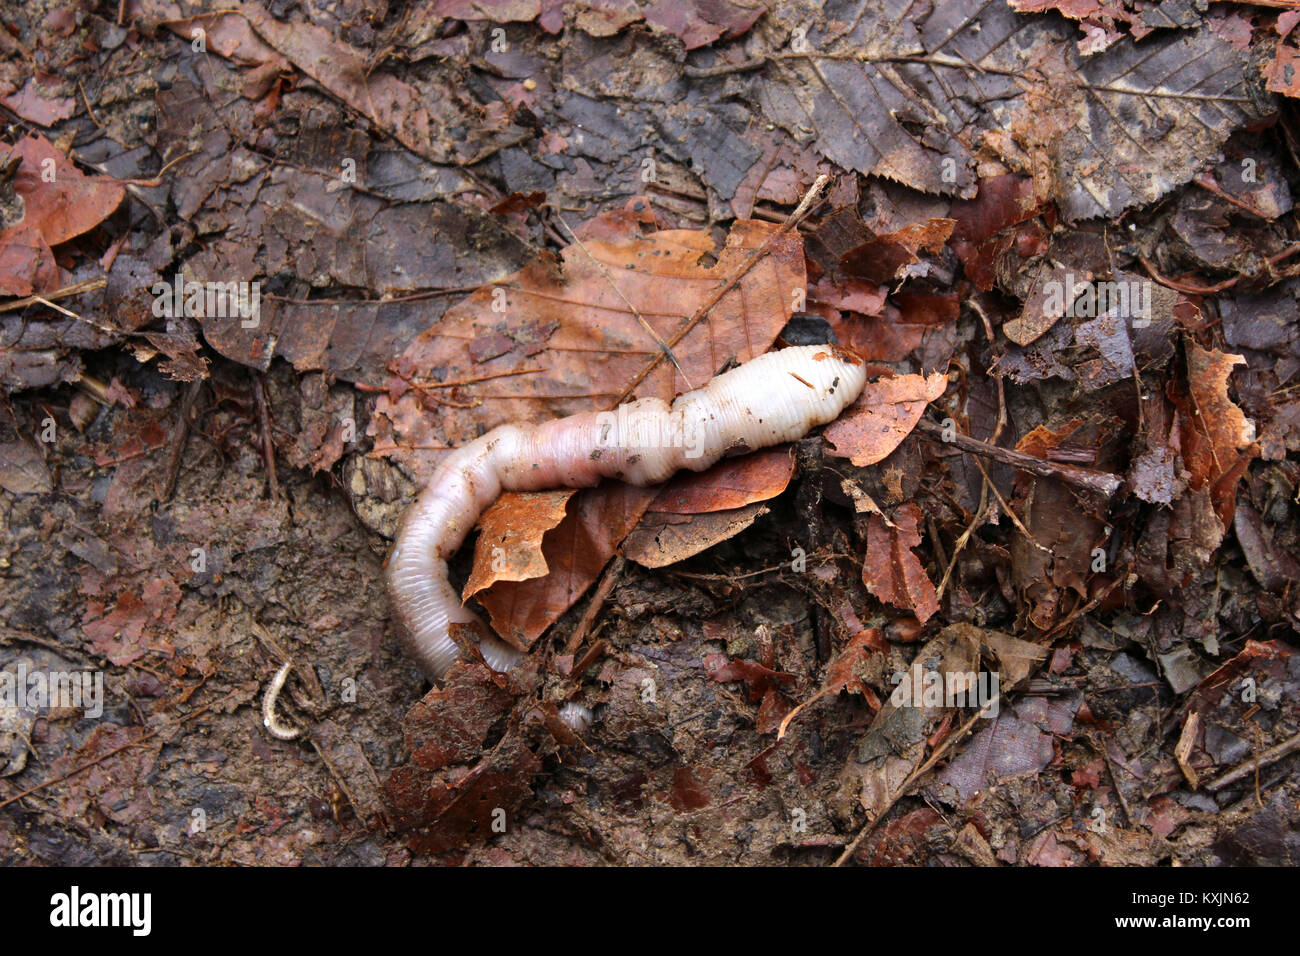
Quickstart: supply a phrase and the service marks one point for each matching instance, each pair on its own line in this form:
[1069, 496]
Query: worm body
[774, 398]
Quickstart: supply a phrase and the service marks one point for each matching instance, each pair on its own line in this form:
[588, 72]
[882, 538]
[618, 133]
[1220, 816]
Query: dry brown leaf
[662, 539]
[1217, 443]
[22, 468]
[731, 483]
[891, 570]
[575, 552]
[27, 263]
[509, 546]
[984, 224]
[883, 416]
[1016, 658]
[886, 258]
[901, 330]
[392, 104]
[38, 104]
[227, 34]
[61, 201]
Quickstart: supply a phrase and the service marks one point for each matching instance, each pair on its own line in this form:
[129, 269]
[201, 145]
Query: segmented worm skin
[774, 398]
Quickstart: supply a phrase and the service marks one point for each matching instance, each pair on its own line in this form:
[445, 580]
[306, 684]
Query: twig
[1006, 508]
[1114, 778]
[981, 513]
[1272, 755]
[1207, 182]
[268, 443]
[93, 323]
[724, 69]
[1101, 482]
[89, 285]
[1084, 609]
[180, 434]
[902, 790]
[1191, 288]
[338, 778]
[611, 575]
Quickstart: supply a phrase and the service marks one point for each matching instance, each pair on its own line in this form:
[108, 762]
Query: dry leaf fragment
[891, 570]
[883, 416]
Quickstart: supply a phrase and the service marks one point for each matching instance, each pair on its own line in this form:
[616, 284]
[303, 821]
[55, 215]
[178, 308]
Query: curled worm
[774, 398]
[269, 719]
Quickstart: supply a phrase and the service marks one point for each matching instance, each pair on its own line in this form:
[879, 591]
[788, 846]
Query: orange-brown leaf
[664, 538]
[1218, 430]
[575, 552]
[731, 483]
[891, 570]
[509, 546]
[60, 200]
[883, 416]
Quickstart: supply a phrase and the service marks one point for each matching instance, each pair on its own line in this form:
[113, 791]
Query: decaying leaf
[509, 546]
[885, 414]
[891, 569]
[889, 94]
[664, 538]
[575, 552]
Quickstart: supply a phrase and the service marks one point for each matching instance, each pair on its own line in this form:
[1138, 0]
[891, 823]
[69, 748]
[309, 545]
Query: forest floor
[259, 268]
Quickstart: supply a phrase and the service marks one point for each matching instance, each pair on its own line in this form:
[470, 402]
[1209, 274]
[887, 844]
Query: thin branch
[1100, 482]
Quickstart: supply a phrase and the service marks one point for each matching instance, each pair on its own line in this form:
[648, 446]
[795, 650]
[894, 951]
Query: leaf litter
[448, 234]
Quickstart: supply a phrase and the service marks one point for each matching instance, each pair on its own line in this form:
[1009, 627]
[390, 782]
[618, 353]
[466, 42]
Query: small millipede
[774, 398]
[269, 719]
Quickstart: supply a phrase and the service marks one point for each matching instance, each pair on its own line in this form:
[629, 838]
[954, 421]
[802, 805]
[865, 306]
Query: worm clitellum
[774, 398]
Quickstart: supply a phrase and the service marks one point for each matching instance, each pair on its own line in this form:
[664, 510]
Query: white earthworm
[774, 398]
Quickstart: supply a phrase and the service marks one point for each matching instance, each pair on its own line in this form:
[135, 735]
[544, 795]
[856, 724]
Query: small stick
[1272, 755]
[1015, 520]
[268, 444]
[1206, 182]
[724, 69]
[93, 323]
[902, 790]
[180, 434]
[1101, 482]
[90, 285]
[1114, 778]
[612, 574]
